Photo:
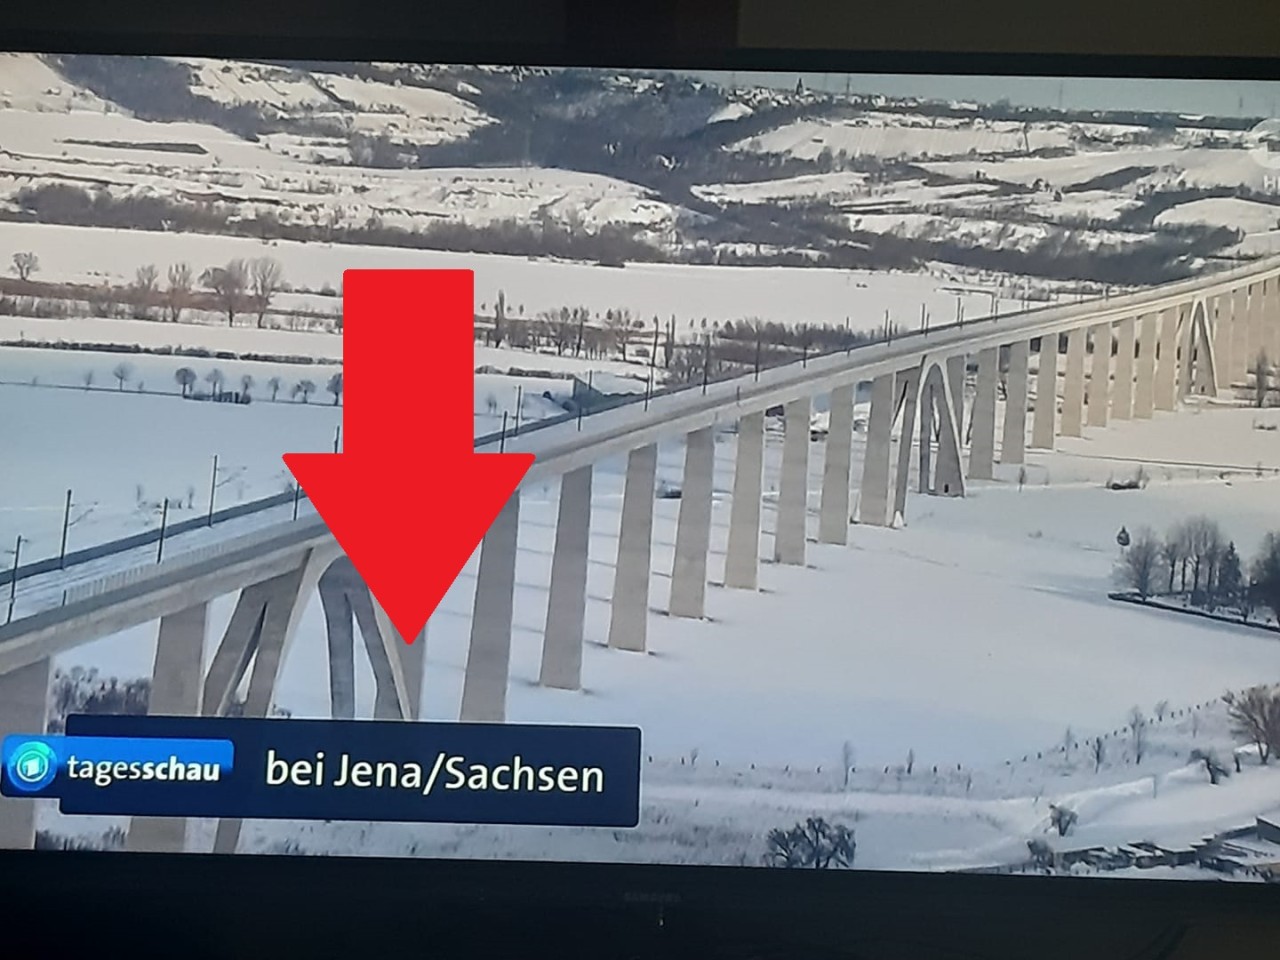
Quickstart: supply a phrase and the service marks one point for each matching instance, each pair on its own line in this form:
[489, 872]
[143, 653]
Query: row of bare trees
[186, 378]
[1196, 562]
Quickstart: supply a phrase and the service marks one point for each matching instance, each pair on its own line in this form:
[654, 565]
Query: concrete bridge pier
[925, 401]
[347, 602]
[1167, 361]
[1073, 385]
[1271, 320]
[629, 607]
[833, 518]
[567, 601]
[1187, 318]
[1254, 336]
[1043, 426]
[1122, 387]
[261, 629]
[982, 448]
[1144, 386]
[742, 561]
[1013, 442]
[1099, 385]
[793, 490]
[948, 478]
[176, 688]
[1220, 310]
[907, 386]
[873, 497]
[488, 670]
[1240, 358]
[24, 708]
[693, 528]
[956, 370]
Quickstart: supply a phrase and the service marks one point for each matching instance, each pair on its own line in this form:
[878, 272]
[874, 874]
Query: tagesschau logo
[31, 766]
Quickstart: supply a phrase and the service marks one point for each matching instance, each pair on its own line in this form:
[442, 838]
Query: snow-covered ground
[787, 295]
[122, 452]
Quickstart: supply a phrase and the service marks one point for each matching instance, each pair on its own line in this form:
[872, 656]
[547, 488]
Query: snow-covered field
[787, 295]
[122, 452]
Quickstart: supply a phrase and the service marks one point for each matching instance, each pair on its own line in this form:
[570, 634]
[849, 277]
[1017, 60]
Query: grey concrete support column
[24, 708]
[1043, 426]
[955, 382]
[488, 671]
[742, 561]
[1255, 336]
[924, 478]
[1013, 442]
[629, 616]
[793, 490]
[1122, 388]
[177, 681]
[1271, 320]
[567, 601]
[833, 517]
[345, 598]
[1167, 361]
[873, 492]
[1099, 386]
[1073, 385]
[1222, 337]
[982, 449]
[948, 478]
[1239, 336]
[269, 612]
[907, 386]
[1144, 385]
[1186, 346]
[693, 528]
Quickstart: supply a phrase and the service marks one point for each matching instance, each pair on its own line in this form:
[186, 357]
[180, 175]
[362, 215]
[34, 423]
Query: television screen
[904, 486]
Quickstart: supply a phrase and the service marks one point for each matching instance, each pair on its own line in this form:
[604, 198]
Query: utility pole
[66, 526]
[164, 523]
[213, 489]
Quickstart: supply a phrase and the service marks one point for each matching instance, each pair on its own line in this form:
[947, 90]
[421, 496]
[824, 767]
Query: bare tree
[25, 264]
[181, 280]
[87, 379]
[1265, 588]
[1212, 765]
[1062, 819]
[846, 756]
[814, 844]
[1205, 543]
[1161, 709]
[304, 389]
[275, 384]
[246, 384]
[122, 372]
[617, 325]
[228, 286]
[1138, 734]
[1261, 380]
[334, 386]
[144, 288]
[266, 278]
[1255, 717]
[1173, 552]
[186, 378]
[215, 378]
[1098, 750]
[1140, 562]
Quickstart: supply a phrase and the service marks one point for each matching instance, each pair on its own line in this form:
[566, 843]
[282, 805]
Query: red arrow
[408, 499]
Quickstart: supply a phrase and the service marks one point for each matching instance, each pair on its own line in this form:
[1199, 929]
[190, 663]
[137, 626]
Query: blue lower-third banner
[331, 770]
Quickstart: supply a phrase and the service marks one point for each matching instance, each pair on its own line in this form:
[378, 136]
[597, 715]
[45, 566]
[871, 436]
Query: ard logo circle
[1263, 143]
[32, 766]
